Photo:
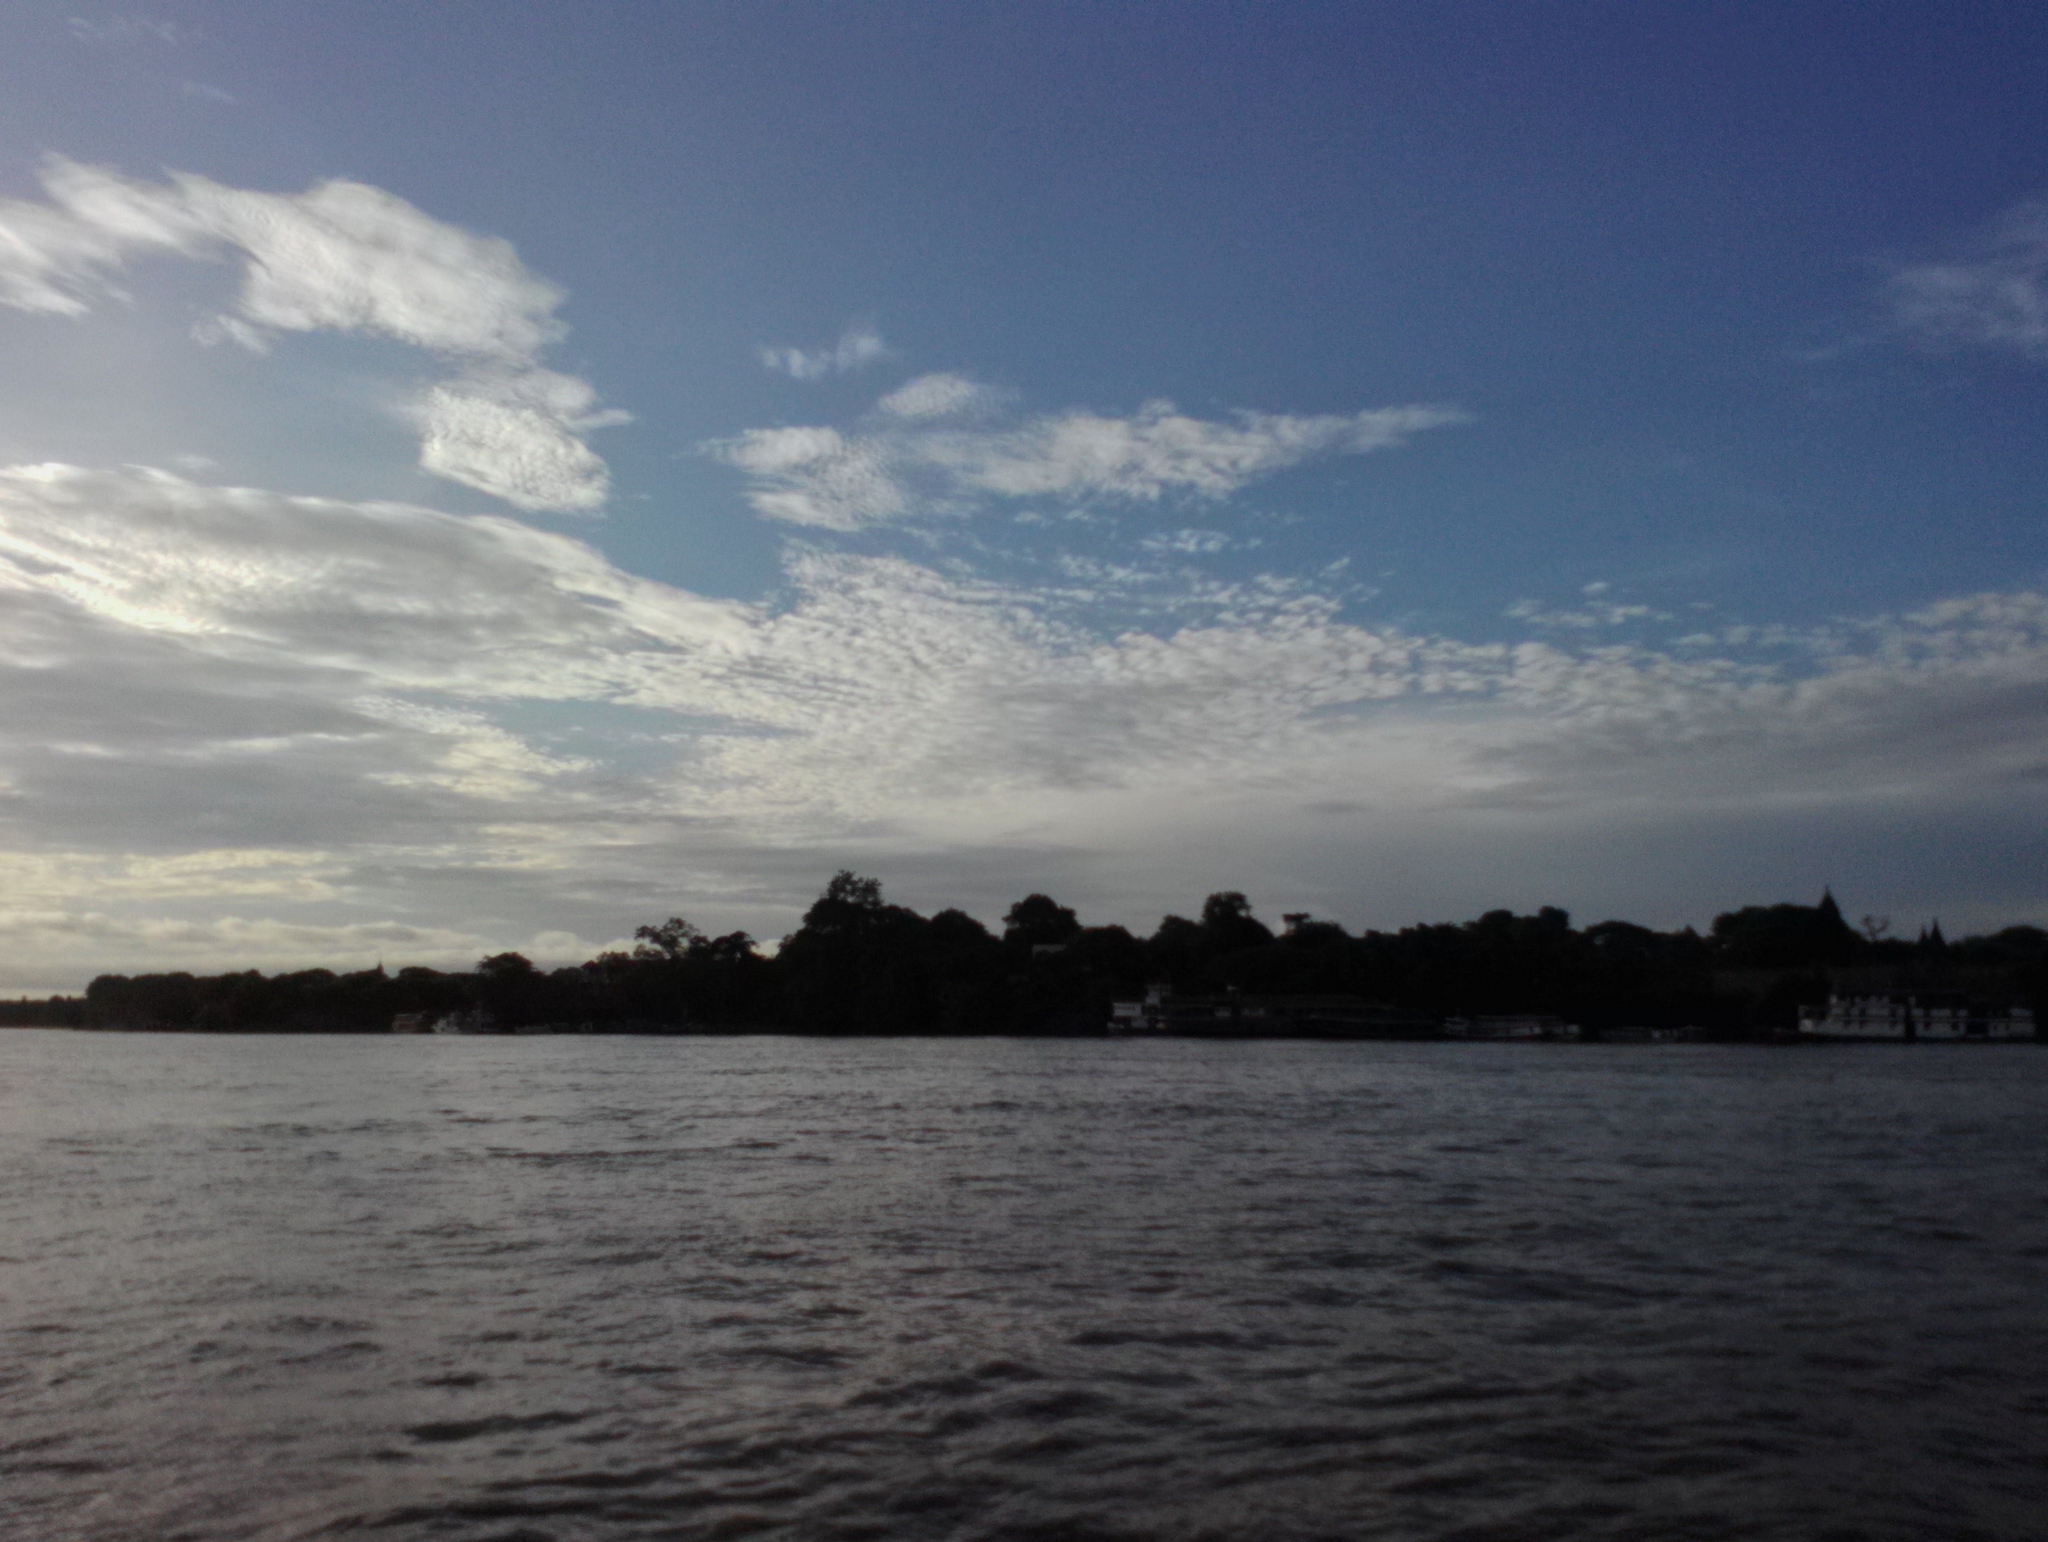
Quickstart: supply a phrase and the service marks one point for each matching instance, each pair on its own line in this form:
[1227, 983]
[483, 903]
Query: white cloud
[381, 597]
[938, 396]
[511, 452]
[1994, 294]
[1586, 617]
[224, 702]
[51, 260]
[341, 257]
[859, 346]
[820, 477]
[881, 679]
[1159, 450]
[478, 758]
[1192, 543]
[200, 91]
[515, 436]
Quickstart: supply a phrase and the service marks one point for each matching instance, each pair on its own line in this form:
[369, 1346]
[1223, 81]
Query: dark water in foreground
[614, 1288]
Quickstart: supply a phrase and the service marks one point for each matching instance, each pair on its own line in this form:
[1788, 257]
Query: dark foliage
[860, 965]
[52, 1012]
[1785, 936]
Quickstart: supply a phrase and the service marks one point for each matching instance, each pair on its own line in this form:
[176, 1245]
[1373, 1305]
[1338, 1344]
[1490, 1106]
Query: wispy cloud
[393, 597]
[1594, 613]
[1193, 543]
[124, 29]
[859, 346]
[940, 396]
[200, 91]
[916, 458]
[1993, 293]
[341, 257]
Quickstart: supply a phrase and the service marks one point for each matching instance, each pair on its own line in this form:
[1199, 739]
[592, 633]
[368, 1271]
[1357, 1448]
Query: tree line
[860, 965]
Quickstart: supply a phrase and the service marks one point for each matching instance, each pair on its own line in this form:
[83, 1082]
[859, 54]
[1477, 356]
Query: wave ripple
[578, 1290]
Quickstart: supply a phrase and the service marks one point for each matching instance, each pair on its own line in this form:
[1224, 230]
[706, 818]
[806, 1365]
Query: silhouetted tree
[1228, 925]
[1037, 921]
[669, 941]
[512, 990]
[1174, 952]
[858, 965]
[1785, 936]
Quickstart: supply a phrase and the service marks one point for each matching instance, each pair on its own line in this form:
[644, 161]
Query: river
[585, 1289]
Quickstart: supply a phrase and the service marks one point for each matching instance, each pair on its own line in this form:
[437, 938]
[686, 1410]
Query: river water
[550, 1290]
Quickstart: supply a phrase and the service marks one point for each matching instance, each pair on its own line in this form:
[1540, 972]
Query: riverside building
[1901, 1017]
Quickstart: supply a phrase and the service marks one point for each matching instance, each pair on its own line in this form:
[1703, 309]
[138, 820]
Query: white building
[1939, 1015]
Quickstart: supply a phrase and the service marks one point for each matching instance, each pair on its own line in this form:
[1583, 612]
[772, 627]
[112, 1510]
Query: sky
[486, 476]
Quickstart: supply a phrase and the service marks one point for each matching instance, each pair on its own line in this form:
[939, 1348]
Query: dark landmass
[50, 1012]
[859, 965]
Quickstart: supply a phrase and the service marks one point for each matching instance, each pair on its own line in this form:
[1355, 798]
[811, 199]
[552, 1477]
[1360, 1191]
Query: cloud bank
[340, 257]
[233, 710]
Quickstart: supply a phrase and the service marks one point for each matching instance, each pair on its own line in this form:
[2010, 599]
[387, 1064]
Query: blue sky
[1394, 460]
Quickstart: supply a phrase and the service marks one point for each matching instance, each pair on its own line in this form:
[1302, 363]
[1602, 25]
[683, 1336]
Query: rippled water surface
[553, 1290]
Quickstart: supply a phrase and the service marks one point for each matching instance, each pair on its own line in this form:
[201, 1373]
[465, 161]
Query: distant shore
[859, 965]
